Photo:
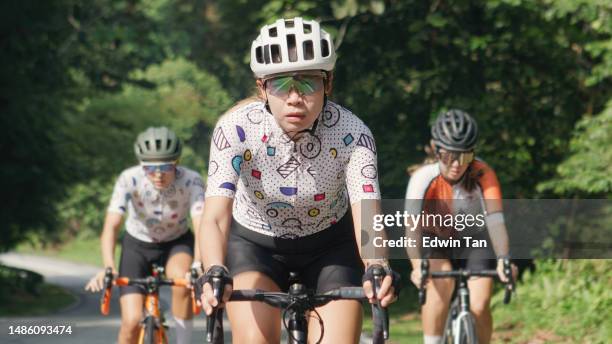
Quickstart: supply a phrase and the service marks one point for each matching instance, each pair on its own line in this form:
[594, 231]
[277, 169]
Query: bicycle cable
[318, 316]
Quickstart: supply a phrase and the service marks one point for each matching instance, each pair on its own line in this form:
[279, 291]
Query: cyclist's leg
[134, 263]
[334, 267]
[254, 267]
[435, 309]
[131, 316]
[254, 322]
[180, 258]
[341, 320]
[481, 289]
[480, 299]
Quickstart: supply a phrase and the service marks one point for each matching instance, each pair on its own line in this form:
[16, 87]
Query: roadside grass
[563, 301]
[83, 248]
[22, 293]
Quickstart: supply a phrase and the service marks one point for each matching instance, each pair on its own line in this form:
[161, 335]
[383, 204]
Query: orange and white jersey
[430, 192]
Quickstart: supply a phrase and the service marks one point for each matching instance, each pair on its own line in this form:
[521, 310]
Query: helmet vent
[307, 28]
[259, 55]
[324, 48]
[158, 144]
[308, 50]
[273, 32]
[276, 55]
[147, 144]
[168, 144]
[291, 48]
[289, 24]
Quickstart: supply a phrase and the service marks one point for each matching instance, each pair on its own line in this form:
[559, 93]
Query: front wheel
[467, 330]
[147, 334]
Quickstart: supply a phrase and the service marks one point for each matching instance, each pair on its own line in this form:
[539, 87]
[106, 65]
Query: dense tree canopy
[81, 78]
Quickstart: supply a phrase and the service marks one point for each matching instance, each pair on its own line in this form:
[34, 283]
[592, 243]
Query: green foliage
[570, 298]
[589, 167]
[525, 69]
[50, 49]
[85, 77]
[102, 133]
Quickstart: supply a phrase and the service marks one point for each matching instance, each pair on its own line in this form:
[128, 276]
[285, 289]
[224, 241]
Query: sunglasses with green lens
[303, 84]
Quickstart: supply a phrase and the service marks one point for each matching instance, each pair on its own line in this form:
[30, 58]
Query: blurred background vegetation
[79, 79]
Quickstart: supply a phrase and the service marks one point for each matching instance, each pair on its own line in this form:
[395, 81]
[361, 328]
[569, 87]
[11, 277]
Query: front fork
[297, 329]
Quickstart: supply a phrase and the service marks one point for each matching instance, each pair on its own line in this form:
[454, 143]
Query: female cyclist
[158, 196]
[285, 168]
[461, 180]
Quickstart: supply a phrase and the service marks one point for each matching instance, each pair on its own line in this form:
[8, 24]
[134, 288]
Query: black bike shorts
[467, 258]
[138, 257]
[324, 261]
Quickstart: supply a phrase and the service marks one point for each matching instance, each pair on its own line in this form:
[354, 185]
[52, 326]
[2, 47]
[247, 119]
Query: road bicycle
[297, 304]
[153, 329]
[460, 327]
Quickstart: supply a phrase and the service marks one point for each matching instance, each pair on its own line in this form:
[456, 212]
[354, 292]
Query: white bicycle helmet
[292, 45]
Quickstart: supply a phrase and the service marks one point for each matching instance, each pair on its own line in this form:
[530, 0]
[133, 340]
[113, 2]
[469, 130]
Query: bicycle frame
[459, 312]
[153, 327]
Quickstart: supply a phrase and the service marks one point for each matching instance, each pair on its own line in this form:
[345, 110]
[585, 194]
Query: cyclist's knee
[130, 323]
[480, 307]
[129, 330]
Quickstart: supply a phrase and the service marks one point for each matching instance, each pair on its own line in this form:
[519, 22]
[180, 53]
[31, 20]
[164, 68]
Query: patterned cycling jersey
[157, 215]
[286, 188]
[430, 192]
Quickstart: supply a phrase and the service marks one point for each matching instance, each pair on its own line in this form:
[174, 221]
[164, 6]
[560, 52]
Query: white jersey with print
[285, 188]
[157, 215]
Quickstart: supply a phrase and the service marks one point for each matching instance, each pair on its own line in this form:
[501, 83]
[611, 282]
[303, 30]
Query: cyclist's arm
[196, 200]
[114, 215]
[195, 221]
[496, 226]
[214, 230]
[372, 206]
[112, 225]
[223, 176]
[416, 190]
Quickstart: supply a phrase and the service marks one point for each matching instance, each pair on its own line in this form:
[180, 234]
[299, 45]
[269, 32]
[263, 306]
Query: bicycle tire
[467, 327]
[149, 331]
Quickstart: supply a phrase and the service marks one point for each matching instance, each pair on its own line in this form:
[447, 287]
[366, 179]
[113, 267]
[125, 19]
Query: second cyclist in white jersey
[158, 197]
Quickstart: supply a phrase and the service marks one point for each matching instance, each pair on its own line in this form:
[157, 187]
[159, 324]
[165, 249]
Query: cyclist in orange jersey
[458, 183]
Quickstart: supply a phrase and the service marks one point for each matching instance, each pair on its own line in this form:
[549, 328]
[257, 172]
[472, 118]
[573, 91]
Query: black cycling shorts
[138, 257]
[467, 258]
[324, 261]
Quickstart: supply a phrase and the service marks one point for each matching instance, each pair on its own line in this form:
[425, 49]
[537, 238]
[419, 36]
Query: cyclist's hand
[208, 300]
[386, 293]
[96, 283]
[500, 271]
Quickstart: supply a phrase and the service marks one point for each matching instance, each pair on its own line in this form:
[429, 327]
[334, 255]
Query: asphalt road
[88, 325]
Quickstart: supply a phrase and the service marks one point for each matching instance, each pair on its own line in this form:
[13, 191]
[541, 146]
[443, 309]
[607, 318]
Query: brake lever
[379, 313]
[106, 295]
[193, 281]
[424, 275]
[510, 284]
[217, 285]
